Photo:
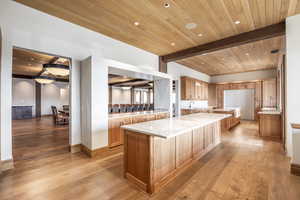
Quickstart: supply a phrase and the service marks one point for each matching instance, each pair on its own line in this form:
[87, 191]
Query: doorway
[244, 99]
[40, 104]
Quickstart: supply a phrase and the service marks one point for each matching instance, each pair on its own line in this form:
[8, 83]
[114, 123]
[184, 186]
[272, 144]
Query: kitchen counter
[132, 114]
[116, 120]
[157, 151]
[236, 111]
[270, 112]
[171, 127]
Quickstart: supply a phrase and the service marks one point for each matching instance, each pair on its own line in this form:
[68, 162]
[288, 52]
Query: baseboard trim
[295, 169]
[75, 148]
[101, 152]
[6, 165]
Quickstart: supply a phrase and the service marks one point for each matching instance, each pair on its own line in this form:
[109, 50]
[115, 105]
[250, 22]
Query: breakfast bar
[155, 152]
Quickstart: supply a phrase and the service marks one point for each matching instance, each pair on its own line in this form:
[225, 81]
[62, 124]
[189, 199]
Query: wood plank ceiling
[162, 29]
[249, 57]
[30, 63]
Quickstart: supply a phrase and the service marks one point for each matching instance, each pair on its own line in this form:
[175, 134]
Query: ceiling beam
[163, 67]
[237, 40]
[53, 60]
[129, 81]
[32, 77]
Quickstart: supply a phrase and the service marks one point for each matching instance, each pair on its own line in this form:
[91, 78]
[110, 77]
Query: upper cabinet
[193, 89]
[269, 93]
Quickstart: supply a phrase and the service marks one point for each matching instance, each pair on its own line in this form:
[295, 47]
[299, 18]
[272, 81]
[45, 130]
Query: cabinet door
[205, 91]
[151, 117]
[192, 89]
[184, 152]
[198, 90]
[116, 135]
[138, 119]
[269, 93]
[162, 116]
[183, 87]
[198, 141]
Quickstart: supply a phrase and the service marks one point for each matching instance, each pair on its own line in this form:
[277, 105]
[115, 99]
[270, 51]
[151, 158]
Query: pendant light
[57, 69]
[42, 79]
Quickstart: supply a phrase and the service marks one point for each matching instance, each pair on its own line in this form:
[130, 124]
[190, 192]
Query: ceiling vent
[274, 51]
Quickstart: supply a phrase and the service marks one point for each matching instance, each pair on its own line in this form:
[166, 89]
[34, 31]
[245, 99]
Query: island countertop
[171, 127]
[132, 114]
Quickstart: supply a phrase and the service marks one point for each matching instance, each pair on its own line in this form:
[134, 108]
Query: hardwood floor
[37, 138]
[242, 167]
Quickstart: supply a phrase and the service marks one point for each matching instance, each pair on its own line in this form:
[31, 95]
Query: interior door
[244, 99]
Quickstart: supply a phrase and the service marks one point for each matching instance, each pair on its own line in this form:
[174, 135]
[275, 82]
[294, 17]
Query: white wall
[121, 96]
[292, 79]
[177, 70]
[54, 94]
[245, 76]
[73, 41]
[23, 93]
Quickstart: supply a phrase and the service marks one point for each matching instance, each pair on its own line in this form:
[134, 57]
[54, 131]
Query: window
[145, 97]
[137, 97]
[151, 96]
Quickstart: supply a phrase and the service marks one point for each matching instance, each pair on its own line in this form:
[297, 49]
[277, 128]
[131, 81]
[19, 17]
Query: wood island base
[151, 162]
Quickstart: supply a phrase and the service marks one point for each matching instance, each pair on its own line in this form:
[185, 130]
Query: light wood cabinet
[269, 93]
[116, 134]
[270, 126]
[193, 89]
[162, 116]
[229, 122]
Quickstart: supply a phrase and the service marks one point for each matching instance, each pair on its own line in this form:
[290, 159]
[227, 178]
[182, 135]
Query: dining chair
[59, 119]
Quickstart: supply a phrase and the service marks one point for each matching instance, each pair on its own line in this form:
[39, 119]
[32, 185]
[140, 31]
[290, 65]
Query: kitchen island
[155, 152]
[232, 121]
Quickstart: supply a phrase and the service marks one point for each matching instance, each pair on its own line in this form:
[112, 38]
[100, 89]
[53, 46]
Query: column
[94, 101]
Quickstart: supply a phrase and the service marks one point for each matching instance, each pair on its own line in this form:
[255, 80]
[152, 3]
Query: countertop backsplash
[194, 104]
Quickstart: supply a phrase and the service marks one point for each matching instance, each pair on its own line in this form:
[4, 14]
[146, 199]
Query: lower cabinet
[115, 133]
[229, 122]
[270, 126]
[162, 116]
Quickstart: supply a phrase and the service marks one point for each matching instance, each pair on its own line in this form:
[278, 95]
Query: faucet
[190, 106]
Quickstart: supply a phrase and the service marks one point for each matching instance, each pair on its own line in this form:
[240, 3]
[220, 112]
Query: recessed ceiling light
[32, 59]
[191, 25]
[173, 44]
[136, 23]
[166, 5]
[200, 35]
[237, 22]
[247, 54]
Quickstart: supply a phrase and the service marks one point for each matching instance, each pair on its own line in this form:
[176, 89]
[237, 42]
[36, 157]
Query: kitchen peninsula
[116, 120]
[156, 151]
